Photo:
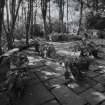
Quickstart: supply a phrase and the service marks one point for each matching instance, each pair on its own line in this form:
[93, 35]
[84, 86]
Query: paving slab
[103, 103]
[52, 83]
[34, 80]
[67, 96]
[47, 73]
[91, 74]
[36, 95]
[93, 67]
[99, 87]
[90, 81]
[101, 78]
[54, 102]
[79, 87]
[54, 66]
[92, 96]
[3, 99]
[100, 61]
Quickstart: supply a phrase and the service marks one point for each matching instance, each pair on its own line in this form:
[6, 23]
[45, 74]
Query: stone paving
[48, 88]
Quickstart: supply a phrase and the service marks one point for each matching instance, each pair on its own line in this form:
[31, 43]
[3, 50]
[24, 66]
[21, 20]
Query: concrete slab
[67, 96]
[93, 97]
[36, 95]
[54, 102]
[55, 82]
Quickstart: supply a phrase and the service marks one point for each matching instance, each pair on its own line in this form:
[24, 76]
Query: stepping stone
[92, 96]
[36, 95]
[67, 96]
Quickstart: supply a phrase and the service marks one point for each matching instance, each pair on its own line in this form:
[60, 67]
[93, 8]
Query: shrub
[37, 30]
[101, 34]
[64, 37]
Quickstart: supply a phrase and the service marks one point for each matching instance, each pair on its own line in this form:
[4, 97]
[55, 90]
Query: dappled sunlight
[101, 66]
[45, 77]
[102, 71]
[73, 85]
[50, 73]
[31, 64]
[69, 53]
[53, 66]
[33, 59]
[98, 96]
[48, 63]
[59, 68]
[57, 86]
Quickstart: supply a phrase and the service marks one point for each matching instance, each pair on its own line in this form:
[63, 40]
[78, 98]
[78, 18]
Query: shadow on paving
[89, 90]
[36, 95]
[47, 86]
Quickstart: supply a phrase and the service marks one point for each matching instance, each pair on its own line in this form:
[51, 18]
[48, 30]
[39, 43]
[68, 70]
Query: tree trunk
[11, 25]
[44, 11]
[86, 11]
[67, 16]
[1, 16]
[31, 19]
[9, 40]
[50, 28]
[28, 23]
[80, 20]
[45, 31]
[35, 16]
[2, 3]
[61, 14]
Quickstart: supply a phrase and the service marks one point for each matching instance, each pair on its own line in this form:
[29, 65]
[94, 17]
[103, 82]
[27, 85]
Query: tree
[67, 14]
[31, 19]
[11, 6]
[2, 4]
[29, 15]
[44, 12]
[50, 17]
[88, 9]
[81, 13]
[60, 4]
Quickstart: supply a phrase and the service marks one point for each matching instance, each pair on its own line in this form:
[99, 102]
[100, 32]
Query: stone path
[48, 88]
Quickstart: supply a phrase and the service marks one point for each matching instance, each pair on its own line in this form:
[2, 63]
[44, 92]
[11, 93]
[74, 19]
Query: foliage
[96, 22]
[94, 49]
[15, 85]
[19, 32]
[101, 34]
[64, 37]
[19, 59]
[80, 64]
[45, 50]
[56, 26]
[37, 30]
[4, 67]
